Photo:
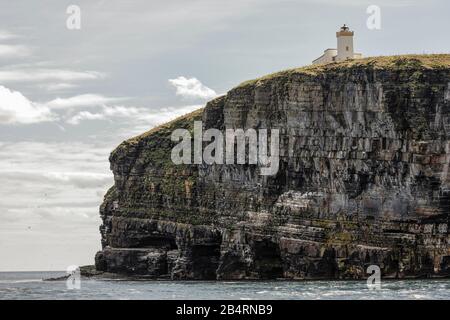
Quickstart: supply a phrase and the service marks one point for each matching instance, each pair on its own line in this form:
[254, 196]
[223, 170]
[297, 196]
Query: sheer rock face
[366, 182]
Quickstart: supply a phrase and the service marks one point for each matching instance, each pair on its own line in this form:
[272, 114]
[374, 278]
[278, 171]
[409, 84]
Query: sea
[30, 286]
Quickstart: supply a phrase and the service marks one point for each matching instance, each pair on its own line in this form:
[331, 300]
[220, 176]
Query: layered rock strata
[363, 180]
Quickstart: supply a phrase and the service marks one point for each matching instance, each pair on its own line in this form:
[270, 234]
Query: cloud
[39, 75]
[166, 114]
[15, 108]
[6, 35]
[7, 50]
[192, 88]
[77, 179]
[12, 50]
[83, 100]
[108, 112]
[49, 174]
[85, 115]
[58, 86]
[67, 175]
[152, 118]
[122, 111]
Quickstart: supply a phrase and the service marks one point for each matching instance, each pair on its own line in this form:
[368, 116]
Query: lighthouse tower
[344, 49]
[344, 44]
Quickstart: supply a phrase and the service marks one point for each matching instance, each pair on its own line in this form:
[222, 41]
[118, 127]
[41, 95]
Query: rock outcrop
[365, 181]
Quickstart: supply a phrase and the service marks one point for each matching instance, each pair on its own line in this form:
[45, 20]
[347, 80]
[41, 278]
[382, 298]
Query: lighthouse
[344, 51]
[344, 43]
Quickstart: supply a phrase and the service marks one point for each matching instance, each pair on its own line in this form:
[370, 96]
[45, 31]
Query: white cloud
[39, 75]
[85, 115]
[50, 174]
[78, 179]
[58, 86]
[166, 114]
[6, 35]
[7, 50]
[122, 111]
[108, 112]
[192, 88]
[83, 100]
[16, 108]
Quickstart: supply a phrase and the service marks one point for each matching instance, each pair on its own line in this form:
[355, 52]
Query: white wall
[344, 47]
[326, 57]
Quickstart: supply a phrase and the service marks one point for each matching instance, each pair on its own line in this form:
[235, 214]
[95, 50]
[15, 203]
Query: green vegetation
[411, 61]
[157, 141]
[185, 121]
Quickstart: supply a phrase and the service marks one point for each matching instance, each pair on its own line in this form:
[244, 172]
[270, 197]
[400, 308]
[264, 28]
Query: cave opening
[268, 260]
[162, 242]
[206, 259]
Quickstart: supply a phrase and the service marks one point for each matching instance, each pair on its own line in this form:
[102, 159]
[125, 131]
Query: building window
[346, 48]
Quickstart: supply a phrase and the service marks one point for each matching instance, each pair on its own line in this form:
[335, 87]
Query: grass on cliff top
[416, 61]
[185, 121]
[164, 130]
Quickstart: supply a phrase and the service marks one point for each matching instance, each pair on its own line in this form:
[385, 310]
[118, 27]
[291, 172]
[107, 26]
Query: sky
[69, 96]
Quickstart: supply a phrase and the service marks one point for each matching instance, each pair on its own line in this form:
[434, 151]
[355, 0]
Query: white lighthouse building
[344, 49]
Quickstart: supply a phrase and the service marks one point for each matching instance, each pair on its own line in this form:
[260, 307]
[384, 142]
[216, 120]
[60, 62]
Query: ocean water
[29, 285]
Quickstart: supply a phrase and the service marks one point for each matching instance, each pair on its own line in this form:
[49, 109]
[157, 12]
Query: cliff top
[183, 121]
[410, 61]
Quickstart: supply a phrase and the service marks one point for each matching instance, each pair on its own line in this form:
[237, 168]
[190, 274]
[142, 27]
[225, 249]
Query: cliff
[367, 181]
